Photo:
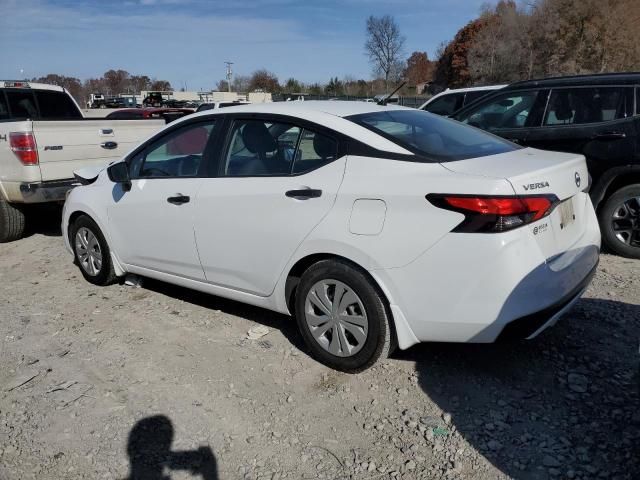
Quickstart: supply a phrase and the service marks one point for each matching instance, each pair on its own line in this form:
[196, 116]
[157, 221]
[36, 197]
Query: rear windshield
[37, 105]
[56, 105]
[436, 138]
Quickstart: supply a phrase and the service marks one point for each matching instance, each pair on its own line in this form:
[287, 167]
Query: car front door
[509, 114]
[597, 122]
[276, 181]
[152, 223]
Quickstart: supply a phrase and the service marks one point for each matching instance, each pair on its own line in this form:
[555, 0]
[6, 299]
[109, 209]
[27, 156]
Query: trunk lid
[531, 171]
[534, 172]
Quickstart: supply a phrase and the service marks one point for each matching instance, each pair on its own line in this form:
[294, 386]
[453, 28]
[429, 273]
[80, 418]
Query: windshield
[437, 138]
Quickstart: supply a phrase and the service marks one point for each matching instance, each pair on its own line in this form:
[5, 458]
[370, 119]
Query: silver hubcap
[336, 318]
[88, 251]
[626, 222]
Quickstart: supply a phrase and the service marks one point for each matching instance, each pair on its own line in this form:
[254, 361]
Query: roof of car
[472, 89]
[336, 107]
[595, 79]
[28, 84]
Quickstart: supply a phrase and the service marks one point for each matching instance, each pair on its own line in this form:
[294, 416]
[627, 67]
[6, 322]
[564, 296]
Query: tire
[622, 210]
[365, 344]
[11, 222]
[87, 247]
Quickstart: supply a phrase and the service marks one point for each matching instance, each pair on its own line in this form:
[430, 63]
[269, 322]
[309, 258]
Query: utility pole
[229, 75]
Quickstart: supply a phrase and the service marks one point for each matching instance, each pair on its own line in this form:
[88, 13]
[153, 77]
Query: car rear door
[597, 122]
[276, 179]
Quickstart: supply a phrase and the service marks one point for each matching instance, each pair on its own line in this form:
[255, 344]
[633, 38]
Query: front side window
[510, 110]
[260, 148]
[573, 106]
[437, 138]
[54, 105]
[446, 104]
[177, 154]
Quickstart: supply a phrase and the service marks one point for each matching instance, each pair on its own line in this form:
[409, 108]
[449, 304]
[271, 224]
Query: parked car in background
[168, 114]
[118, 102]
[595, 115]
[373, 225]
[214, 105]
[453, 99]
[43, 139]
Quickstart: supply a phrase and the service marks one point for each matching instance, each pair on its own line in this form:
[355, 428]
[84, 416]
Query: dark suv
[595, 115]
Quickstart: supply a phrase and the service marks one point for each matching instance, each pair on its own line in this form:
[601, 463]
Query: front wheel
[620, 222]
[92, 254]
[342, 316]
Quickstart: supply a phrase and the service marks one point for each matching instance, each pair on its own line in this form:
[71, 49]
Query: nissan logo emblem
[577, 177]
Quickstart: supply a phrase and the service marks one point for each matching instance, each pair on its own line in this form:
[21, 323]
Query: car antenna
[386, 99]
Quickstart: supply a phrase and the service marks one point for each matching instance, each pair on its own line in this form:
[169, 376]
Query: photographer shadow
[150, 455]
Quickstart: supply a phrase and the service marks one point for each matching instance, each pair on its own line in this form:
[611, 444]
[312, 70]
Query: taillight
[488, 214]
[24, 147]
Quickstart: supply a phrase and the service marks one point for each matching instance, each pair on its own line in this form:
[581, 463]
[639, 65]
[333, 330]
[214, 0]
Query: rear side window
[314, 151]
[437, 138]
[261, 148]
[574, 106]
[446, 105]
[22, 104]
[4, 109]
[54, 105]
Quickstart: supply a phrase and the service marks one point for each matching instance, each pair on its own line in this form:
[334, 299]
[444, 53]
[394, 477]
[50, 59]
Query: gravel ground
[160, 382]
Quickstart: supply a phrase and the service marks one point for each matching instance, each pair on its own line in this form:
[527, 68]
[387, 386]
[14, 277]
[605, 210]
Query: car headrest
[324, 147]
[257, 139]
[563, 109]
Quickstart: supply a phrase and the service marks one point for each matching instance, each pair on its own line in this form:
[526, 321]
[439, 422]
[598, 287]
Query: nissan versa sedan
[374, 226]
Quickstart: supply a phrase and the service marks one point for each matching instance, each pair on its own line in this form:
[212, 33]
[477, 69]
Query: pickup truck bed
[44, 138]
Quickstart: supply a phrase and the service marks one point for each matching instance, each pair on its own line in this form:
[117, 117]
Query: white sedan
[374, 226]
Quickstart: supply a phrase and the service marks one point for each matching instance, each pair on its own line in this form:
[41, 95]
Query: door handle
[109, 145]
[179, 199]
[609, 136]
[304, 193]
[106, 131]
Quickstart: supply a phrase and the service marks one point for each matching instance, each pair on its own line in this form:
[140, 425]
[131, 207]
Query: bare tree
[384, 46]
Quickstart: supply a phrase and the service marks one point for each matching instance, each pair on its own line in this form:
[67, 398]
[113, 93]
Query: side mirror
[119, 173]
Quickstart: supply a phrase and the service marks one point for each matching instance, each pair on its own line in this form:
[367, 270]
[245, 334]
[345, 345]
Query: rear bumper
[472, 288]
[532, 325]
[42, 192]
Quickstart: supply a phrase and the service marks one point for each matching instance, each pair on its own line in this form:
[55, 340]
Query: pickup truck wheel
[11, 222]
[92, 254]
[620, 222]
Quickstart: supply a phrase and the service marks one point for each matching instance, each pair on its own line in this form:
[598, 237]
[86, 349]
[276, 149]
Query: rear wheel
[91, 252]
[342, 316]
[11, 222]
[620, 222]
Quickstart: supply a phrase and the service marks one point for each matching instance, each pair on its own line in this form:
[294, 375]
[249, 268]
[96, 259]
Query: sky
[188, 41]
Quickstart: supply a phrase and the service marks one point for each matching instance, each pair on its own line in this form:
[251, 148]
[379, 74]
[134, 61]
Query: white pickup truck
[43, 139]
